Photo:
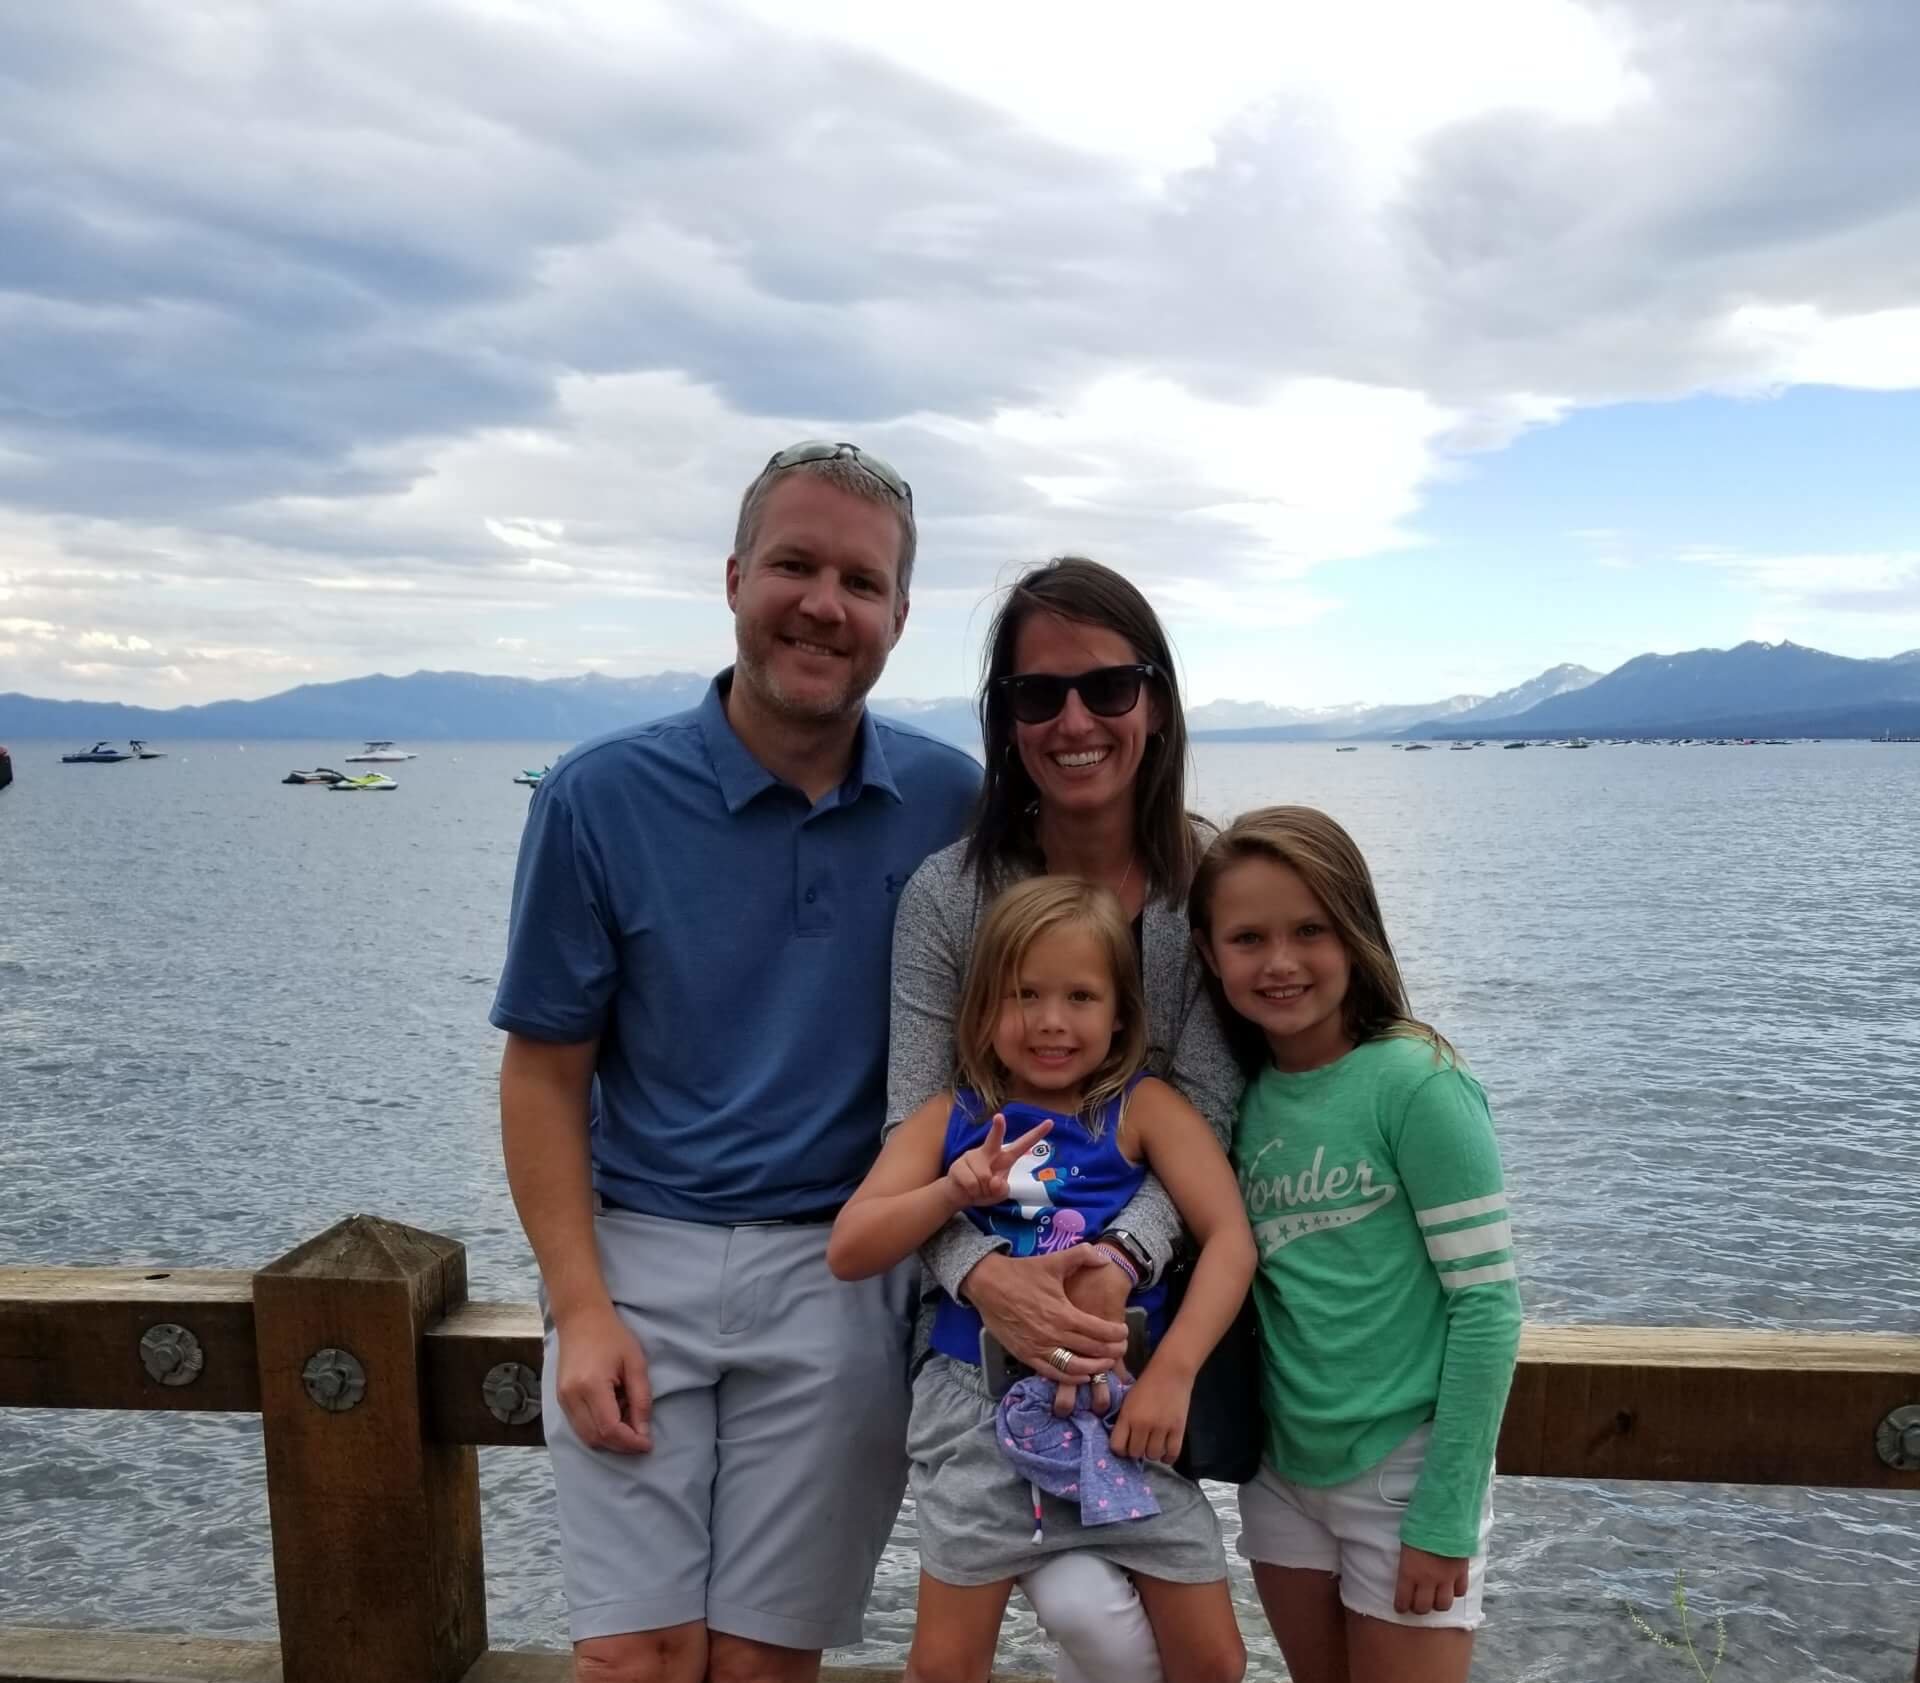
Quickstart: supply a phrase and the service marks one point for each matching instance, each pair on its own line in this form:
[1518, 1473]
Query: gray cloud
[275, 281]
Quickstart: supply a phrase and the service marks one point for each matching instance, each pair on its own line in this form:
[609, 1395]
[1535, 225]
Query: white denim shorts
[1353, 1531]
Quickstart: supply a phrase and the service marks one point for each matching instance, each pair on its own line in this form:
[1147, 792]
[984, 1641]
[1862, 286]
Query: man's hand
[1024, 1303]
[980, 1176]
[1427, 1583]
[1153, 1419]
[602, 1382]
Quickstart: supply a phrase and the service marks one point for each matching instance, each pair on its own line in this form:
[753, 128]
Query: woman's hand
[980, 1176]
[1102, 1292]
[1024, 1303]
[1428, 1583]
[1153, 1419]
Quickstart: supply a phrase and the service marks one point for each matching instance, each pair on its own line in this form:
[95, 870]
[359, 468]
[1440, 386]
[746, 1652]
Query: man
[695, 1000]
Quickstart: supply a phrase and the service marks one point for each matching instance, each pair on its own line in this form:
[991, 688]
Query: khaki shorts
[1353, 1531]
[779, 1428]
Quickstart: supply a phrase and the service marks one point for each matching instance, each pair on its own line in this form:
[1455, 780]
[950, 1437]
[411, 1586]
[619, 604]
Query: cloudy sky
[1396, 349]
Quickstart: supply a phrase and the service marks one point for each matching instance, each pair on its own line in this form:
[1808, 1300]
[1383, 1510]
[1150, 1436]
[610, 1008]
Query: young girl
[1047, 1135]
[1389, 1314]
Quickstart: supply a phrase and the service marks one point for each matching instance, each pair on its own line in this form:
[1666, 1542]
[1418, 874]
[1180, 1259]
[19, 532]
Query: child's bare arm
[906, 1198]
[1183, 1151]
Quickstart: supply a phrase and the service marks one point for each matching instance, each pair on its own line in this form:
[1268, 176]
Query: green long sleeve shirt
[1386, 1289]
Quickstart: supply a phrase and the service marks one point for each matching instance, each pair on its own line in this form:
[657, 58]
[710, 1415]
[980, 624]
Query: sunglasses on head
[826, 450]
[1107, 691]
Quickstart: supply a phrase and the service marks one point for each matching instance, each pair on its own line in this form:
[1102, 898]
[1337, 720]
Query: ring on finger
[1061, 1357]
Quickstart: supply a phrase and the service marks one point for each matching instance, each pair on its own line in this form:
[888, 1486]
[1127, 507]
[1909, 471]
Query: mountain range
[1756, 689]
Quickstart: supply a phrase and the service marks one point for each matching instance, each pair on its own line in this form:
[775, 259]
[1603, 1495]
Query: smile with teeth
[805, 647]
[1280, 996]
[1051, 1054]
[1081, 757]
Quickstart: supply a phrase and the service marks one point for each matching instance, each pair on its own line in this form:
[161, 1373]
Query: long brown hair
[1007, 933]
[1002, 834]
[1331, 865]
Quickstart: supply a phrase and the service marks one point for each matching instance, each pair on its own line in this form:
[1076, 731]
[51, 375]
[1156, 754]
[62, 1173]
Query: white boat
[376, 752]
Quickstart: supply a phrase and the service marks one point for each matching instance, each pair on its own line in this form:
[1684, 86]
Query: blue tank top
[1064, 1191]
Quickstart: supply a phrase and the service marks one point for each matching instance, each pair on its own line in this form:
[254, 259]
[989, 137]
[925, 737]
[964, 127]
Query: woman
[1086, 751]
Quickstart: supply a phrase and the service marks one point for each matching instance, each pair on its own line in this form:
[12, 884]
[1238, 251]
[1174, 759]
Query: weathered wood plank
[377, 1561]
[70, 1337]
[460, 1351]
[36, 1654]
[39, 1655]
[1708, 1405]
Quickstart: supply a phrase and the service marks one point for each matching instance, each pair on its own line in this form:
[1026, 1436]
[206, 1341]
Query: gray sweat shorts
[779, 1426]
[975, 1510]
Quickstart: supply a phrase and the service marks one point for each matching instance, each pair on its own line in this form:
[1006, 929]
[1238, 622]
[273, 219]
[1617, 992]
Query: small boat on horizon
[142, 752]
[1350, 749]
[379, 752]
[374, 782]
[531, 778]
[1419, 747]
[100, 754]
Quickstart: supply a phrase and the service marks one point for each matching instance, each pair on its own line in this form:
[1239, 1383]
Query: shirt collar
[742, 778]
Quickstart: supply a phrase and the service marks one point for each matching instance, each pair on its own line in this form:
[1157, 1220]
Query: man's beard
[761, 677]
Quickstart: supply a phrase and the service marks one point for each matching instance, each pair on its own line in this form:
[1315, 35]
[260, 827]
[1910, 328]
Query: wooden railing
[375, 1379]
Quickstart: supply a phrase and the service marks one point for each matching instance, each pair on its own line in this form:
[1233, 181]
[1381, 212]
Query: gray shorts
[779, 1429]
[975, 1511]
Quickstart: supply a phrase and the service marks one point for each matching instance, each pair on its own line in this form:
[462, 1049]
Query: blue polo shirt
[730, 943]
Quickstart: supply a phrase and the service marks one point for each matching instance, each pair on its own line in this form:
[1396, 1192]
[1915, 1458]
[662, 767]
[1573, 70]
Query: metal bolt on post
[334, 1379]
[171, 1354]
[512, 1391]
[1897, 1440]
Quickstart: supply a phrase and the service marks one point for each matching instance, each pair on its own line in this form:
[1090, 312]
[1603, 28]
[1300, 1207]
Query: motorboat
[372, 782]
[1513, 745]
[142, 752]
[380, 752]
[531, 778]
[100, 754]
[319, 774]
[1349, 750]
[1419, 747]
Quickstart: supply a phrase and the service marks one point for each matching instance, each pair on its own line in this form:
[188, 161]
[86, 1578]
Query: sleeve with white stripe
[1449, 1164]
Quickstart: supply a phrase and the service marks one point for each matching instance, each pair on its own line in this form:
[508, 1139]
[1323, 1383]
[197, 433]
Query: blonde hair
[1013, 923]
[1330, 863]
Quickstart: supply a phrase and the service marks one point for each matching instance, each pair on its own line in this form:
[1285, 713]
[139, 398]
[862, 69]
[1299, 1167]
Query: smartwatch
[1131, 1248]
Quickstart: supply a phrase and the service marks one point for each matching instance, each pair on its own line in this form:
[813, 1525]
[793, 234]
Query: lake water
[232, 1012]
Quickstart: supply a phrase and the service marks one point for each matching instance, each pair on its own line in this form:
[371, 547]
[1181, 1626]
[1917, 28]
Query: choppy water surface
[232, 1012]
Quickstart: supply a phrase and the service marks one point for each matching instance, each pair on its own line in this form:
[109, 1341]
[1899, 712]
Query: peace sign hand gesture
[979, 1176]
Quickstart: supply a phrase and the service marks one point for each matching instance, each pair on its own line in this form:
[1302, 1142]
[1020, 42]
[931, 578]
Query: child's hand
[979, 1176]
[1427, 1583]
[1153, 1419]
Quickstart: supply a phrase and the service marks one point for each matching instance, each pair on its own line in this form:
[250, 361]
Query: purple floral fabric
[1072, 1457]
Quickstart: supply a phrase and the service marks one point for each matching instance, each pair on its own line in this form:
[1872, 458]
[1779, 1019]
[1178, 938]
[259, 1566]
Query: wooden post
[376, 1529]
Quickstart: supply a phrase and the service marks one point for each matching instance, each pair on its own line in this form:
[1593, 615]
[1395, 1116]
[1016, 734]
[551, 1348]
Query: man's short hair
[844, 474]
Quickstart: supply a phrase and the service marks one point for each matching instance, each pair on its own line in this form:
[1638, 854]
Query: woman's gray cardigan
[932, 940]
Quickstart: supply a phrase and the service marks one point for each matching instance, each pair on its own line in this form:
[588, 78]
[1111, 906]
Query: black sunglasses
[826, 450]
[1106, 691]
